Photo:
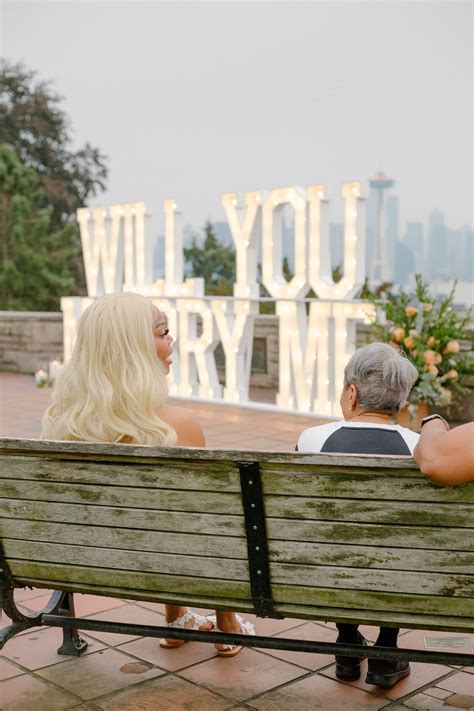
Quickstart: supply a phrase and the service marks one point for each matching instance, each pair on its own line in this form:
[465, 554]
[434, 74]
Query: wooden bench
[321, 537]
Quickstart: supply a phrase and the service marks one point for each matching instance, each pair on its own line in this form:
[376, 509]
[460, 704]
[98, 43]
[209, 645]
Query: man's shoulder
[411, 438]
[312, 439]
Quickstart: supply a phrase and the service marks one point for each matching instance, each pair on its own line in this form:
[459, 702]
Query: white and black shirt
[358, 438]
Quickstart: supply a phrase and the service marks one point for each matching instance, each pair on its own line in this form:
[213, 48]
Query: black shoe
[386, 674]
[348, 668]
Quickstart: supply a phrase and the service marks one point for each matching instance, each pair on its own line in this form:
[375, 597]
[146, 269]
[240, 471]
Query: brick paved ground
[121, 673]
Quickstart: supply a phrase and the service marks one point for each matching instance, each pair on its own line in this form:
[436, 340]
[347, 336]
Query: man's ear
[353, 396]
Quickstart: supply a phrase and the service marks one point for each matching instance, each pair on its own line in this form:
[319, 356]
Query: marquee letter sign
[316, 336]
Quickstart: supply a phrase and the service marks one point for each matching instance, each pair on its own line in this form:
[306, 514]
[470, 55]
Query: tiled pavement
[120, 673]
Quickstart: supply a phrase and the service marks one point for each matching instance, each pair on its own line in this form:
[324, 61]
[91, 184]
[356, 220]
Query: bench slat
[198, 476]
[122, 517]
[358, 556]
[102, 495]
[400, 513]
[53, 573]
[389, 581]
[143, 562]
[430, 537]
[409, 603]
[422, 621]
[125, 538]
[145, 454]
[338, 482]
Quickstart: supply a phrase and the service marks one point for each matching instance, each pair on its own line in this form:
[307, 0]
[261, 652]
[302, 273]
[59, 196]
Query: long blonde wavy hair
[114, 384]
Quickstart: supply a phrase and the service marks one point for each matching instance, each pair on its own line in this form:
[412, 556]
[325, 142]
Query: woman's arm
[446, 456]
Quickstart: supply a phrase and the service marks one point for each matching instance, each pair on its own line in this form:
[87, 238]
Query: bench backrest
[353, 538]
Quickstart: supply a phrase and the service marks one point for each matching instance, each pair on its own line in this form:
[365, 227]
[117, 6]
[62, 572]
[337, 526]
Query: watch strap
[433, 417]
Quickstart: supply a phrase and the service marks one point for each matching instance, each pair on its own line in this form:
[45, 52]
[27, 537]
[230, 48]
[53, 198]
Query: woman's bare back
[185, 424]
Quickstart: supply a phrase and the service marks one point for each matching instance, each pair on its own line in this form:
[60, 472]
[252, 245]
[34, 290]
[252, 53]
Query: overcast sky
[190, 100]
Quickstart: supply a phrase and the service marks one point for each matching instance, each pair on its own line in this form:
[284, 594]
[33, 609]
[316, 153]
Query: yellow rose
[453, 373]
[431, 341]
[398, 334]
[429, 357]
[433, 370]
[427, 308]
[452, 347]
[438, 358]
[409, 342]
[411, 311]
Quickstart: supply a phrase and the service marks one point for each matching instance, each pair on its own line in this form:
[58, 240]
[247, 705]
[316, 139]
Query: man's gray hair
[383, 377]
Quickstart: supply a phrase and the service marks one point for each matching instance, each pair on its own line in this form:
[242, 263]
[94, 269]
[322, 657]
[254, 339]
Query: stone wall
[29, 340]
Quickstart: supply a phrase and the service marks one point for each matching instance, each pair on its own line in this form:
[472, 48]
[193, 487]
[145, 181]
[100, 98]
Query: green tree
[213, 261]
[33, 122]
[33, 270]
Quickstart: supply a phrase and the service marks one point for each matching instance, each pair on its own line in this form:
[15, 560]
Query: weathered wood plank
[341, 483]
[403, 603]
[198, 476]
[429, 537]
[107, 451]
[400, 513]
[51, 573]
[143, 562]
[389, 581]
[445, 623]
[123, 517]
[158, 499]
[125, 539]
[188, 598]
[355, 556]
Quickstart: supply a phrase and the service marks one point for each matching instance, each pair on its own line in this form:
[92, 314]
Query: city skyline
[432, 247]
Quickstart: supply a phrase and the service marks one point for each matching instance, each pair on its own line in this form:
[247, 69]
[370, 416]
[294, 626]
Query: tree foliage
[33, 122]
[213, 261]
[33, 271]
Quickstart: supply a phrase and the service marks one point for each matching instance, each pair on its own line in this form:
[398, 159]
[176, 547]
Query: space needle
[380, 270]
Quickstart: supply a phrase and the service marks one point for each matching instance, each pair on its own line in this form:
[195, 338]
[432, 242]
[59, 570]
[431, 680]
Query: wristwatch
[433, 417]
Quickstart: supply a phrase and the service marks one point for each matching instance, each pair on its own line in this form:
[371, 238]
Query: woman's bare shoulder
[185, 424]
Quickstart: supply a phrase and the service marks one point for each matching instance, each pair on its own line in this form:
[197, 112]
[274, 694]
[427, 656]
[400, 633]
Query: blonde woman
[114, 389]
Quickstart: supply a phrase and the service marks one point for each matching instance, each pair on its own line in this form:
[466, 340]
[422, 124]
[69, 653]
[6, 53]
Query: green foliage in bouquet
[428, 332]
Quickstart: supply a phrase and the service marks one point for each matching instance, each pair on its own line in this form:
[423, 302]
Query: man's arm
[446, 456]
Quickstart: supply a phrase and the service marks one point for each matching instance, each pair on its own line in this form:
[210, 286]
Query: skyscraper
[438, 264]
[414, 241]
[380, 270]
[392, 228]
